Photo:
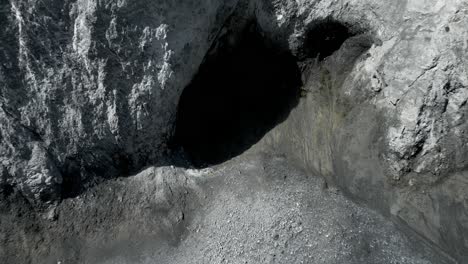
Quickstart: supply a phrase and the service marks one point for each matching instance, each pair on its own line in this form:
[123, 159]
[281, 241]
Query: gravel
[261, 210]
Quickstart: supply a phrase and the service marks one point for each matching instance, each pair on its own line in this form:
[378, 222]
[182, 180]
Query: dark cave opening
[242, 90]
[325, 37]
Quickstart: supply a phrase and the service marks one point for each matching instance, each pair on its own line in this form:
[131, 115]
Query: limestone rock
[89, 90]
[95, 82]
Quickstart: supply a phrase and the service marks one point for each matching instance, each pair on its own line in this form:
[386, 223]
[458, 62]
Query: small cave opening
[324, 37]
[244, 87]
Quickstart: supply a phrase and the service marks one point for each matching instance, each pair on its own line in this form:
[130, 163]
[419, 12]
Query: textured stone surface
[89, 90]
[95, 83]
[388, 124]
[251, 209]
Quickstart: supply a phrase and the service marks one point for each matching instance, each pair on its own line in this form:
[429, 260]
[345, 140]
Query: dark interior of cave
[244, 87]
[323, 38]
[240, 92]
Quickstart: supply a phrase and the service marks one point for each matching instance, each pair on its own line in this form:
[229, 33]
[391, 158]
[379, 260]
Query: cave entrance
[244, 87]
[324, 37]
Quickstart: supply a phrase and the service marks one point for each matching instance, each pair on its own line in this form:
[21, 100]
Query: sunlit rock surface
[89, 90]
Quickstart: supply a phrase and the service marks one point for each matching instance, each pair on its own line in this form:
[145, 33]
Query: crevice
[82, 171]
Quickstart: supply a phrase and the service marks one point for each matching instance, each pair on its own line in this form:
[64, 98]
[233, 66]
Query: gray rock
[241, 211]
[96, 83]
[89, 91]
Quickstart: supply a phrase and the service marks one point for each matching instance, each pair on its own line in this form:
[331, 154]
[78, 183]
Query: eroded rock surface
[96, 83]
[89, 91]
[252, 209]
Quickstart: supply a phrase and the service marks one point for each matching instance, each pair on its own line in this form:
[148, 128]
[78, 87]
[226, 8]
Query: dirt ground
[252, 209]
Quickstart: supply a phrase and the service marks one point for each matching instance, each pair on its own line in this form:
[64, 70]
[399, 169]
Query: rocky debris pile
[252, 209]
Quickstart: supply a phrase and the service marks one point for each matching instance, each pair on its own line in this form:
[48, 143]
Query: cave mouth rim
[234, 42]
[318, 43]
[281, 99]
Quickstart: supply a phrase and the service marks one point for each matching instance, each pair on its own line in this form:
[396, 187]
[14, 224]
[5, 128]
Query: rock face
[93, 85]
[90, 90]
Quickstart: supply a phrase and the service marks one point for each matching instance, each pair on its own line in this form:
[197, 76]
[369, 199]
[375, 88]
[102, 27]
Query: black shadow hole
[241, 92]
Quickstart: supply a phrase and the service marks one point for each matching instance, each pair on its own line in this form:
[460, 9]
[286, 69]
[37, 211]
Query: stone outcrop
[94, 85]
[89, 90]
